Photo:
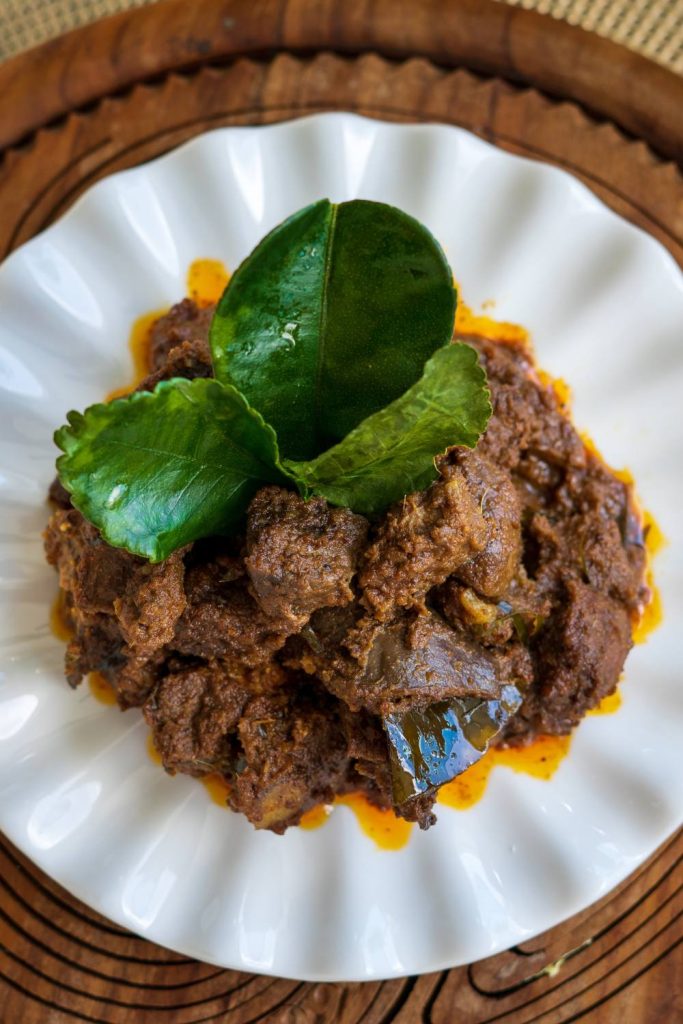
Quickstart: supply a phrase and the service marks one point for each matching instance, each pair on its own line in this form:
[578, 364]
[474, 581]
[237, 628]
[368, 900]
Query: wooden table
[129, 88]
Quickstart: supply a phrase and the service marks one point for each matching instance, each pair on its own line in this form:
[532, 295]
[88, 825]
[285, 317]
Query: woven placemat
[653, 27]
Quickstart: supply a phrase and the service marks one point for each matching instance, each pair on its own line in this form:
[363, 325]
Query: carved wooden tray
[131, 87]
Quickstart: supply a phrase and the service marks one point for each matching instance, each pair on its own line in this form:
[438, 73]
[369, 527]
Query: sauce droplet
[539, 759]
[217, 787]
[653, 612]
[152, 750]
[288, 334]
[316, 817]
[467, 789]
[206, 281]
[59, 621]
[468, 322]
[101, 688]
[386, 830]
[139, 345]
[608, 705]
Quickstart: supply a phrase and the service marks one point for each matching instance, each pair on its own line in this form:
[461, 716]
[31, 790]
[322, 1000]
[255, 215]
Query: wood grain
[61, 963]
[78, 68]
[124, 91]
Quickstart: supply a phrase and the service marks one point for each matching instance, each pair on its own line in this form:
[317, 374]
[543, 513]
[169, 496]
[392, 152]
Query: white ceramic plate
[78, 792]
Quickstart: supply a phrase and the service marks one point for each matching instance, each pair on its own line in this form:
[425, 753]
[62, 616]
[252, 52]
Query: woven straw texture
[653, 27]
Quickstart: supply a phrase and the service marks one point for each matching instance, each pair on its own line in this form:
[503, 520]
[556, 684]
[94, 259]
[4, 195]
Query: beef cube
[300, 555]
[96, 646]
[122, 609]
[528, 418]
[414, 658]
[190, 359]
[580, 657]
[192, 714]
[91, 571]
[186, 321]
[222, 620]
[421, 541]
[152, 601]
[293, 758]
[492, 570]
[587, 546]
[135, 678]
[367, 752]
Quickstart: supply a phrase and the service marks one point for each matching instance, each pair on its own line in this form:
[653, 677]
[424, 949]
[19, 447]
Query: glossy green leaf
[331, 318]
[430, 746]
[392, 452]
[159, 469]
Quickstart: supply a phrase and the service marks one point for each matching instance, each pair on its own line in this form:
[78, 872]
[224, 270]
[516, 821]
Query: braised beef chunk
[293, 756]
[415, 658]
[186, 321]
[491, 571]
[283, 659]
[135, 678]
[90, 571]
[464, 609]
[528, 422]
[123, 610]
[421, 541]
[300, 555]
[58, 494]
[367, 752]
[222, 620]
[587, 548]
[97, 646]
[580, 657]
[192, 714]
[151, 604]
[189, 359]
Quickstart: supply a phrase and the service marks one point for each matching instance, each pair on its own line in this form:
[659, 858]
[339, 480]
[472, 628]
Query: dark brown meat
[580, 544]
[464, 609]
[186, 321]
[493, 569]
[376, 666]
[293, 757]
[520, 614]
[300, 555]
[189, 359]
[90, 571]
[136, 677]
[58, 494]
[123, 610]
[578, 661]
[588, 548]
[527, 421]
[420, 542]
[97, 646]
[277, 667]
[193, 714]
[367, 752]
[222, 620]
[423, 659]
[151, 604]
